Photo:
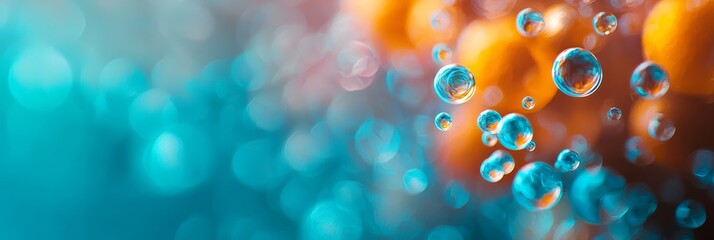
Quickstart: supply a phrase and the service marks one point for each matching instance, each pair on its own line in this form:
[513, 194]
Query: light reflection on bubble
[454, 84]
[514, 131]
[537, 187]
[576, 72]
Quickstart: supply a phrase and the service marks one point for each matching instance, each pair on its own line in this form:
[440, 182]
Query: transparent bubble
[537, 186]
[442, 54]
[456, 195]
[690, 214]
[661, 127]
[531, 146]
[568, 160]
[440, 19]
[614, 114]
[649, 80]
[454, 84]
[377, 141]
[636, 153]
[488, 120]
[589, 188]
[514, 131]
[702, 165]
[529, 22]
[489, 139]
[414, 181]
[445, 232]
[503, 159]
[604, 23]
[576, 72]
[491, 171]
[443, 121]
[528, 102]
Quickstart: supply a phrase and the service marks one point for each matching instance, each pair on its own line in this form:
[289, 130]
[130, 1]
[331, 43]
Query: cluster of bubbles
[498, 164]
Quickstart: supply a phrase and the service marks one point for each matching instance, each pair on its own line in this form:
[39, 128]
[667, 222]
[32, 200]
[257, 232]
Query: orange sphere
[680, 37]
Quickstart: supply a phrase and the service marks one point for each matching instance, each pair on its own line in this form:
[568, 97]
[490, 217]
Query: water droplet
[528, 102]
[514, 131]
[576, 72]
[537, 186]
[498, 164]
[530, 22]
[604, 23]
[454, 84]
[489, 139]
[568, 160]
[488, 121]
[440, 19]
[690, 214]
[442, 54]
[531, 146]
[649, 80]
[636, 153]
[661, 128]
[443, 121]
[414, 181]
[614, 114]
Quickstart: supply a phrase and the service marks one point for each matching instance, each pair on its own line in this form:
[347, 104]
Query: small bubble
[415, 181]
[443, 121]
[454, 84]
[530, 22]
[604, 23]
[537, 186]
[514, 131]
[661, 128]
[489, 139]
[528, 102]
[649, 80]
[614, 114]
[442, 54]
[568, 160]
[488, 121]
[690, 214]
[576, 72]
[531, 146]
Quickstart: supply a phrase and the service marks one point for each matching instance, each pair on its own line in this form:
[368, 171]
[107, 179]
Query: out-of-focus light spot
[266, 112]
[529, 224]
[358, 64]
[565, 230]
[40, 78]
[492, 96]
[377, 141]
[703, 166]
[120, 81]
[327, 220]
[405, 86]
[636, 152]
[414, 181]
[303, 152]
[257, 165]
[56, 21]
[174, 23]
[445, 232]
[350, 195]
[672, 191]
[196, 227]
[537, 187]
[151, 112]
[690, 214]
[642, 204]
[589, 188]
[661, 127]
[456, 195]
[248, 71]
[178, 160]
[493, 8]
[297, 196]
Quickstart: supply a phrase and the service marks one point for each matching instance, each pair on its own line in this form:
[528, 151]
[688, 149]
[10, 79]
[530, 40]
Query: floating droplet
[514, 131]
[528, 102]
[649, 80]
[690, 214]
[537, 186]
[604, 23]
[443, 121]
[614, 114]
[498, 164]
[661, 128]
[531, 146]
[489, 139]
[454, 84]
[488, 121]
[503, 159]
[530, 22]
[442, 54]
[576, 72]
[568, 160]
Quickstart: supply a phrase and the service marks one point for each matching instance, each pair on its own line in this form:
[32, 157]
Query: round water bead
[528, 102]
[490, 171]
[537, 186]
[604, 23]
[690, 214]
[503, 159]
[514, 131]
[649, 80]
[443, 121]
[441, 54]
[568, 160]
[530, 22]
[576, 72]
[531, 146]
[489, 139]
[614, 113]
[661, 127]
[488, 120]
[454, 84]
